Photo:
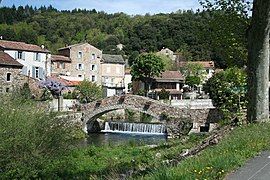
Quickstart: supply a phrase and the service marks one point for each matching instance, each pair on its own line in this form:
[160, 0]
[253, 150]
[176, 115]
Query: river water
[99, 139]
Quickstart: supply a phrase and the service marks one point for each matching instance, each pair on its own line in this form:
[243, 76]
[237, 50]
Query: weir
[140, 128]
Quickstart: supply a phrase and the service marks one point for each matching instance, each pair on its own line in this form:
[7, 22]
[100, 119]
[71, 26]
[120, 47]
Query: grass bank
[217, 161]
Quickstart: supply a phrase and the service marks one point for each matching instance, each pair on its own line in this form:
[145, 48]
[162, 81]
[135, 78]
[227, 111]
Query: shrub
[30, 139]
[228, 90]
[163, 94]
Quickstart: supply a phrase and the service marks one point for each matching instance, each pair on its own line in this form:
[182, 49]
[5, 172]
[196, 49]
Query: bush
[228, 90]
[163, 94]
[30, 139]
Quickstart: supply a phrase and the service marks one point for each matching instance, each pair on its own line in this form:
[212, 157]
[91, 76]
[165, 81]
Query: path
[257, 168]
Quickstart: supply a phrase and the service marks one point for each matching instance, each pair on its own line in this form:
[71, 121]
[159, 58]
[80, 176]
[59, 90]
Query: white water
[137, 128]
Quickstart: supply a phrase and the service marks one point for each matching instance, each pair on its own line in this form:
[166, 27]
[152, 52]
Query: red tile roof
[7, 60]
[64, 81]
[14, 45]
[205, 64]
[171, 75]
[60, 58]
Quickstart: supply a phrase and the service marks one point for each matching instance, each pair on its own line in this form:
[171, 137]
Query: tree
[193, 81]
[145, 67]
[193, 69]
[258, 62]
[88, 91]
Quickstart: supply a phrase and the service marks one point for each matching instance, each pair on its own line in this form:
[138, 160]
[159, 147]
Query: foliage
[167, 61]
[163, 94]
[193, 81]
[70, 95]
[147, 66]
[228, 26]
[220, 160]
[130, 115]
[30, 139]
[192, 69]
[228, 90]
[88, 91]
[25, 91]
[145, 118]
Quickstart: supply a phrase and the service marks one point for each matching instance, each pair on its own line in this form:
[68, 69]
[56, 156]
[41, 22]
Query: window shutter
[16, 55]
[82, 66]
[41, 73]
[24, 70]
[33, 72]
[23, 55]
[39, 57]
[34, 56]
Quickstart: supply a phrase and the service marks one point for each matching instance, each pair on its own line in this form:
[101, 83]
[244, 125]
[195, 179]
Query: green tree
[193, 81]
[146, 67]
[193, 69]
[88, 91]
[228, 90]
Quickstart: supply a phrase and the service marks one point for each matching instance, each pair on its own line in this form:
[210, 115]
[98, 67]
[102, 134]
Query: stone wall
[17, 81]
[163, 112]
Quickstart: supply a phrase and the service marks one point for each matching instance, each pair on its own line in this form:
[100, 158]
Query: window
[37, 57]
[8, 77]
[19, 55]
[80, 66]
[93, 78]
[79, 75]
[93, 67]
[80, 54]
[7, 90]
[36, 72]
[93, 56]
[62, 65]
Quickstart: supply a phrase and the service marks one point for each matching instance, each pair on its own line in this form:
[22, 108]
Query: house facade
[60, 65]
[85, 62]
[113, 74]
[170, 81]
[9, 71]
[35, 59]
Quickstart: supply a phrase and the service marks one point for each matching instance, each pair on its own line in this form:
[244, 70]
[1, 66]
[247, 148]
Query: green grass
[108, 161]
[217, 161]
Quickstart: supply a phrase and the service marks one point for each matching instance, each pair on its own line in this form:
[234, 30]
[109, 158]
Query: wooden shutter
[23, 55]
[16, 55]
[33, 71]
[41, 73]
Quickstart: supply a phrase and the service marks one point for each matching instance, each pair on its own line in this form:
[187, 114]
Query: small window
[36, 72]
[79, 75]
[62, 65]
[93, 67]
[93, 78]
[37, 56]
[7, 90]
[93, 56]
[20, 55]
[80, 66]
[8, 77]
[80, 54]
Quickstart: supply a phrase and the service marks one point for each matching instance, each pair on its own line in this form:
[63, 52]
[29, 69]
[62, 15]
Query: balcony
[113, 85]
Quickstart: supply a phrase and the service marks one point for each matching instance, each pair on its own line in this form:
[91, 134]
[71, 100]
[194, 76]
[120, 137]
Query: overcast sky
[112, 6]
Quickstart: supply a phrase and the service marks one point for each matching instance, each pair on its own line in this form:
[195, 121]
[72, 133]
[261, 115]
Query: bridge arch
[142, 104]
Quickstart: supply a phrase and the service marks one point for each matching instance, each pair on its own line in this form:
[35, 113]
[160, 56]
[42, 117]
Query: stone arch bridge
[156, 109]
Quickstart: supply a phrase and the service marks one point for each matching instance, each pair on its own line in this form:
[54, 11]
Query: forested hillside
[205, 35]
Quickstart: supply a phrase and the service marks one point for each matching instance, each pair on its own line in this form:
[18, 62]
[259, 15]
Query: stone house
[113, 74]
[35, 59]
[9, 71]
[85, 62]
[60, 65]
[167, 52]
[171, 81]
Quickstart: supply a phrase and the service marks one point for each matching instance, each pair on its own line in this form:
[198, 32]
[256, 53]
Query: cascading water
[123, 127]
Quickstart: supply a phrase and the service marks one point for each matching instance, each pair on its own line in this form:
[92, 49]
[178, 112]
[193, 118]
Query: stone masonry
[158, 110]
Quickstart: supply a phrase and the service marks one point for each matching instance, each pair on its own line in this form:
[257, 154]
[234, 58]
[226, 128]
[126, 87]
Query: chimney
[42, 46]
[1, 37]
